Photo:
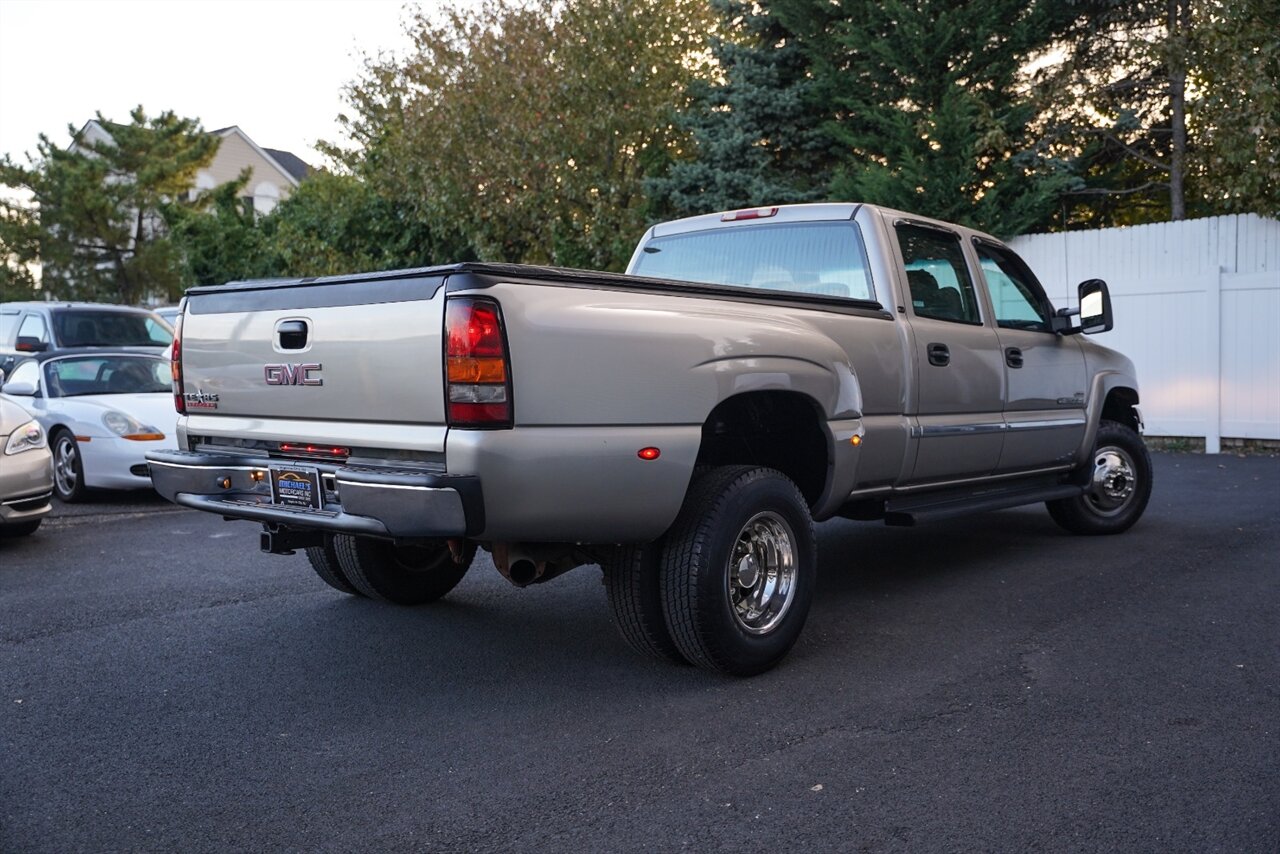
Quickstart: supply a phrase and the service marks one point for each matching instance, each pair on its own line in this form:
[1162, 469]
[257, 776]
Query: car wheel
[324, 560]
[1119, 486]
[738, 570]
[21, 529]
[68, 468]
[401, 574]
[632, 581]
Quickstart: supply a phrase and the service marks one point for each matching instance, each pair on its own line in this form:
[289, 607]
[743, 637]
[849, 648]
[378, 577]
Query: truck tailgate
[362, 350]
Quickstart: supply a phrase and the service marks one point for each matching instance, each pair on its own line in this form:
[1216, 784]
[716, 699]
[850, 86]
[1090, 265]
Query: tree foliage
[524, 132]
[96, 220]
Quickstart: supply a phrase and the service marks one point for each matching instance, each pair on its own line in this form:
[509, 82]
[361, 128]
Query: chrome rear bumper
[386, 502]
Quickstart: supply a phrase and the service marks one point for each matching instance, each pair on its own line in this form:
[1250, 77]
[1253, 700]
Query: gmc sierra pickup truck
[682, 425]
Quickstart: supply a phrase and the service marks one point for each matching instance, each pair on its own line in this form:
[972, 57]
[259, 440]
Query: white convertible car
[102, 411]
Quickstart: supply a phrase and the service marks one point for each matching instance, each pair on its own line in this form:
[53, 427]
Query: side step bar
[907, 512]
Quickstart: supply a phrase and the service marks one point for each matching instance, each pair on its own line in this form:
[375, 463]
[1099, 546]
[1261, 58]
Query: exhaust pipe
[522, 571]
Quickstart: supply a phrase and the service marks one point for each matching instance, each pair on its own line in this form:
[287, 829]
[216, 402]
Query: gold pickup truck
[683, 425]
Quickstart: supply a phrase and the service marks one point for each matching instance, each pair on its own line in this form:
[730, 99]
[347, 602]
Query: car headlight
[127, 427]
[27, 437]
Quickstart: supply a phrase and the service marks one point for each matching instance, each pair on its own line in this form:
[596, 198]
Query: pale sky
[274, 67]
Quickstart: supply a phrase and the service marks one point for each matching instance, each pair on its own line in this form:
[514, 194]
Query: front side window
[33, 327]
[27, 372]
[1016, 296]
[90, 328]
[107, 375]
[937, 274]
[826, 258]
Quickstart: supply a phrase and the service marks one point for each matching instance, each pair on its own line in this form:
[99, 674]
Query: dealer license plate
[296, 486]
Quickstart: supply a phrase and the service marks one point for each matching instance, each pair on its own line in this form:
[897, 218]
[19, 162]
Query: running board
[907, 512]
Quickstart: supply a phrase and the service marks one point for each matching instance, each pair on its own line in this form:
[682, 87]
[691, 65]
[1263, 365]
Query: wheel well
[778, 429]
[1119, 407]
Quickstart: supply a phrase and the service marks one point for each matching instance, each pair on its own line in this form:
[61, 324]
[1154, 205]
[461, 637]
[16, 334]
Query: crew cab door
[1045, 372]
[959, 368]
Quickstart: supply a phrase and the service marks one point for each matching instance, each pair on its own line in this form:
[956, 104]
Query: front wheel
[401, 574]
[1119, 485]
[738, 570]
[68, 468]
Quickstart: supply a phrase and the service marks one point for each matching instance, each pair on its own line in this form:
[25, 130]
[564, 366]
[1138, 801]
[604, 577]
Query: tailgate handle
[292, 334]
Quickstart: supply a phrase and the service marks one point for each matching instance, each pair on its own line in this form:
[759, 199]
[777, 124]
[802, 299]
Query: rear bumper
[378, 502]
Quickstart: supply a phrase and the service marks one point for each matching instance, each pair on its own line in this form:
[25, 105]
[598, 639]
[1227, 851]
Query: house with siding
[274, 174]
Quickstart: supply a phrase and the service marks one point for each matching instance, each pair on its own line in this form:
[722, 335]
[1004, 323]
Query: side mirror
[30, 344]
[21, 389]
[1095, 307]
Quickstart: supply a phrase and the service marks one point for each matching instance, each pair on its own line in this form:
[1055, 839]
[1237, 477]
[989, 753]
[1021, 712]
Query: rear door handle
[939, 355]
[1013, 357]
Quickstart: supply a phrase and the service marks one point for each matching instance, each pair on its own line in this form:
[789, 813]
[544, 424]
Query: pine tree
[96, 217]
[758, 135]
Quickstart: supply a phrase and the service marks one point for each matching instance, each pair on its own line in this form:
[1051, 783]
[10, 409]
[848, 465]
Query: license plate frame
[296, 486]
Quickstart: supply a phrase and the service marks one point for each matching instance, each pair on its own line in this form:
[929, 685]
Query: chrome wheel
[1114, 482]
[762, 573]
[66, 465]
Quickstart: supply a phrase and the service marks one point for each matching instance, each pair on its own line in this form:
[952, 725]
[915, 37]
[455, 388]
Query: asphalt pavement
[990, 683]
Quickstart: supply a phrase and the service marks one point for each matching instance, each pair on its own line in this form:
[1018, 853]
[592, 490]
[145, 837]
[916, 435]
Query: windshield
[824, 258]
[106, 375]
[89, 328]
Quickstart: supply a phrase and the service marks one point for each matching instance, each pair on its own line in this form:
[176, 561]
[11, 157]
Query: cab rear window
[826, 258]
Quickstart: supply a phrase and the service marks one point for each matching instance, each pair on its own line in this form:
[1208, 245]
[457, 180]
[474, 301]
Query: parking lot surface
[990, 683]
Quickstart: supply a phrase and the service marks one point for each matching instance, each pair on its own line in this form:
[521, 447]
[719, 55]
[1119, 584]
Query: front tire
[401, 574]
[68, 468]
[738, 570]
[1119, 485]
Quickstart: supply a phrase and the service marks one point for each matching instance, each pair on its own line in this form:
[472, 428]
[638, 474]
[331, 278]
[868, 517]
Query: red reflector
[751, 213]
[648, 453]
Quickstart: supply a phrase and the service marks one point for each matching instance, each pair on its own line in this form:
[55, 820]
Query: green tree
[338, 223]
[757, 132]
[96, 221]
[221, 239]
[935, 112]
[525, 132]
[1235, 69]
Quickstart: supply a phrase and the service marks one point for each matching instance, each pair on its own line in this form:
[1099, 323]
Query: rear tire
[632, 579]
[738, 570]
[1119, 485]
[324, 560]
[403, 575]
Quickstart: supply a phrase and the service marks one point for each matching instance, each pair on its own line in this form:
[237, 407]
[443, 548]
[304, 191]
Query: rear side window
[8, 325]
[937, 274]
[89, 328]
[826, 258]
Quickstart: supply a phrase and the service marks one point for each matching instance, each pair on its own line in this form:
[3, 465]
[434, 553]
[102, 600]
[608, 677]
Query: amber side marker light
[648, 453]
[856, 441]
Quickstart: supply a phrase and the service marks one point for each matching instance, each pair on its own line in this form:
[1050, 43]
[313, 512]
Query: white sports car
[102, 411]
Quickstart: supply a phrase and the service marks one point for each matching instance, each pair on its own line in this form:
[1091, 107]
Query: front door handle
[1013, 357]
[939, 355]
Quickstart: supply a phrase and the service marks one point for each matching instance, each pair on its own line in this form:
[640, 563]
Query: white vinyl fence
[1197, 308]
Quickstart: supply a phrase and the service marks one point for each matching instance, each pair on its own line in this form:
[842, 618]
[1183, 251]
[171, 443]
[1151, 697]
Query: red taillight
[175, 367]
[477, 378]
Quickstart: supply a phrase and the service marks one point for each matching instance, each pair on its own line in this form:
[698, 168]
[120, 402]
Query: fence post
[1213, 431]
